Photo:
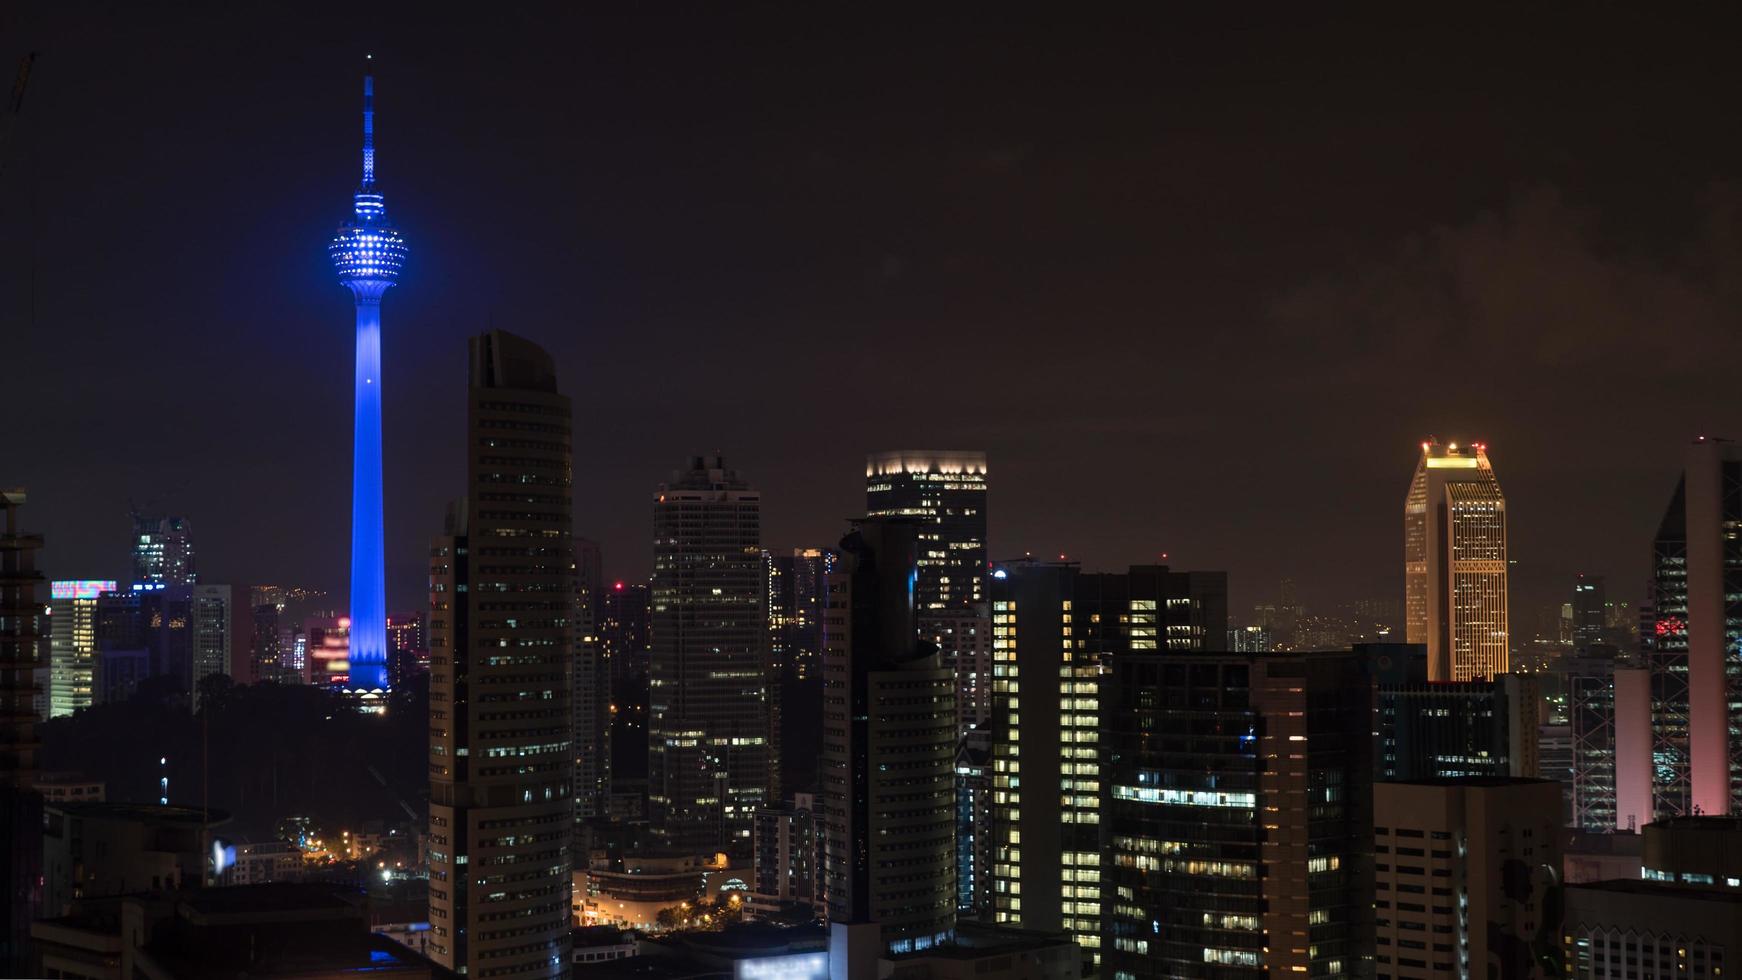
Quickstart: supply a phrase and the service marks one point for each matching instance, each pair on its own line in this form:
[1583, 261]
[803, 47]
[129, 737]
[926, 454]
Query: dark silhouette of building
[624, 624]
[502, 632]
[22, 637]
[888, 748]
[1430, 730]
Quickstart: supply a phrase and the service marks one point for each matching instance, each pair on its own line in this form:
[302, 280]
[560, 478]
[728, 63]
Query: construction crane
[15, 103]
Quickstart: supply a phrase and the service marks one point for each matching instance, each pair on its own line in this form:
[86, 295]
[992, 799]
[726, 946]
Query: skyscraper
[888, 749]
[1056, 634]
[797, 589]
[710, 738]
[1590, 613]
[73, 643]
[367, 253]
[179, 631]
[591, 696]
[1454, 563]
[1696, 612]
[163, 551]
[21, 641]
[1239, 818]
[946, 492]
[501, 632]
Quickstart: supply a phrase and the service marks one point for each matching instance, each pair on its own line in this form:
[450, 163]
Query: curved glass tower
[368, 253]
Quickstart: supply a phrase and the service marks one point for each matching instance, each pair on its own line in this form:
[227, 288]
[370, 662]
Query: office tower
[623, 632]
[1467, 870]
[501, 805]
[888, 749]
[1634, 806]
[1056, 634]
[591, 695]
[182, 632]
[709, 731]
[1609, 732]
[1454, 562]
[946, 492]
[210, 635]
[368, 253]
[796, 589]
[1485, 727]
[974, 825]
[21, 647]
[163, 551]
[1239, 816]
[1590, 613]
[1695, 607]
[783, 858]
[268, 642]
[73, 643]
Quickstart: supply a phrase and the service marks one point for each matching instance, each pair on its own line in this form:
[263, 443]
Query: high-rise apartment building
[1057, 633]
[1467, 874]
[73, 643]
[945, 491]
[784, 857]
[163, 551]
[711, 738]
[501, 632]
[1239, 819]
[888, 748]
[1454, 562]
[1695, 614]
[964, 639]
[22, 636]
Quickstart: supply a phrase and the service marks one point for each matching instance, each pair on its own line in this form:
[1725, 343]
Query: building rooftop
[1661, 890]
[1707, 822]
[1483, 781]
[142, 812]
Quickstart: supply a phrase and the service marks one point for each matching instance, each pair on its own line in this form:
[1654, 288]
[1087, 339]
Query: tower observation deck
[368, 253]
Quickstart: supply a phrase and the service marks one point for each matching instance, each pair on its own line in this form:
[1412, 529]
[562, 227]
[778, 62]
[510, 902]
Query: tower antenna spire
[368, 120]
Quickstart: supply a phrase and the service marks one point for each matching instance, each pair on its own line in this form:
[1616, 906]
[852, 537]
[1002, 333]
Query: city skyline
[629, 267]
[1125, 682]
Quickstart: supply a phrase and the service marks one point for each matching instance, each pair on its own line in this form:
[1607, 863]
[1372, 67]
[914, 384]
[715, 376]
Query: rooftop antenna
[369, 121]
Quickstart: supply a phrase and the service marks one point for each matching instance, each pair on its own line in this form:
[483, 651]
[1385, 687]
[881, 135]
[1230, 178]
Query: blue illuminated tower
[368, 253]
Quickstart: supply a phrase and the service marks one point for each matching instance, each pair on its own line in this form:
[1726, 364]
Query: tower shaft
[368, 653]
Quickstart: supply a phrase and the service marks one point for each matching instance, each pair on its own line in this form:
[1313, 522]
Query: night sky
[1196, 286]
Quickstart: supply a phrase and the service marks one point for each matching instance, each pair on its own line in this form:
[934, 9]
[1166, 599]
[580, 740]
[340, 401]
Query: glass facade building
[1056, 635]
[1692, 631]
[1239, 817]
[946, 492]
